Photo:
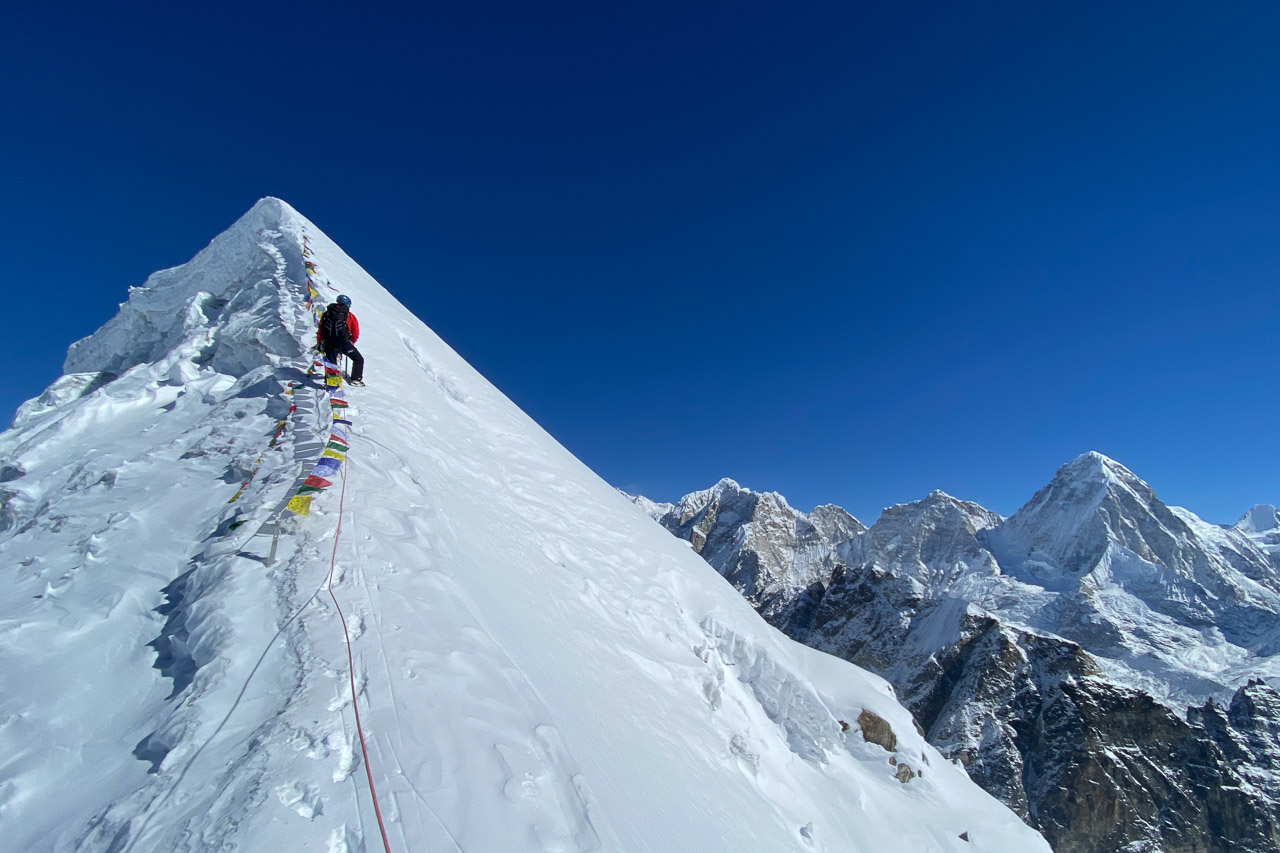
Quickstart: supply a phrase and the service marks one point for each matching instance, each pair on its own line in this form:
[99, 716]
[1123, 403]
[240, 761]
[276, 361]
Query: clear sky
[851, 252]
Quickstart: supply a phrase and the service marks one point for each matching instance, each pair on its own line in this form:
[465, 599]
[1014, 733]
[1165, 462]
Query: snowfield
[539, 666]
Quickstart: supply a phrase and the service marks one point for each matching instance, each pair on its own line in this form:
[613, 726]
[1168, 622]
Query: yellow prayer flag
[300, 504]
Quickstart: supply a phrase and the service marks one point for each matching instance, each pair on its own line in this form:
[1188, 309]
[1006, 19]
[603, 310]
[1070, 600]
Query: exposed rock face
[875, 729]
[1055, 653]
[779, 558]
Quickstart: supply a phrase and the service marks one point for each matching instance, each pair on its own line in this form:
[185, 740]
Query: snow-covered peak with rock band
[1071, 655]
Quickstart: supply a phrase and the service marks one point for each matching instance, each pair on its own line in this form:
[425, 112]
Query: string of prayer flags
[313, 298]
[314, 484]
[329, 465]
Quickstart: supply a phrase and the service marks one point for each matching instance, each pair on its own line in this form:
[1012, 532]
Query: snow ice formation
[538, 666]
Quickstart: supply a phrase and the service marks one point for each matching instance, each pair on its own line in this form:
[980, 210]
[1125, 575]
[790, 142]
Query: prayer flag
[327, 468]
[300, 504]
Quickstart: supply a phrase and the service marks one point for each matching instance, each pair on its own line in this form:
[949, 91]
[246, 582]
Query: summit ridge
[537, 666]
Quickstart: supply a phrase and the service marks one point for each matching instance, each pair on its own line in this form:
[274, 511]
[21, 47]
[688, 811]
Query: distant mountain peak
[1261, 524]
[1259, 519]
[937, 505]
[1093, 457]
[1086, 484]
[1092, 504]
[827, 514]
[730, 490]
[940, 498]
[1097, 467]
[724, 486]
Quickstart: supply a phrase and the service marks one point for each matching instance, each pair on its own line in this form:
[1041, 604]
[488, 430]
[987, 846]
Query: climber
[338, 332]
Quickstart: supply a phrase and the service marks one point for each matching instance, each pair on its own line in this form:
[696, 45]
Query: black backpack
[333, 325]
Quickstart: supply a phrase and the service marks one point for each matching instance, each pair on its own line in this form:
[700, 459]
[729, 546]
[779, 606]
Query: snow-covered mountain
[1261, 525]
[766, 549]
[537, 666]
[1075, 656]
[1142, 583]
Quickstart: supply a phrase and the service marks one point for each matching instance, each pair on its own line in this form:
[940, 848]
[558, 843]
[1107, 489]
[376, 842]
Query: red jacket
[353, 326]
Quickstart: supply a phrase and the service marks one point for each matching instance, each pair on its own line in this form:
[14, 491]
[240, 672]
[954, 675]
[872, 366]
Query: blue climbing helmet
[344, 300]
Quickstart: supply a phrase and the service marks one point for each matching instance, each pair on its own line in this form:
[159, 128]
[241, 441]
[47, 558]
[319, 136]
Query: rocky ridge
[1098, 660]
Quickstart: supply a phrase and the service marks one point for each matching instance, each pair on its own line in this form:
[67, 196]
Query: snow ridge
[543, 668]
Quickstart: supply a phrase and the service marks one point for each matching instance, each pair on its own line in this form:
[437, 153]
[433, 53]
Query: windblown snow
[538, 666]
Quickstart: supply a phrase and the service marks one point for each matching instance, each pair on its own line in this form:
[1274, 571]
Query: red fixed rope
[351, 669]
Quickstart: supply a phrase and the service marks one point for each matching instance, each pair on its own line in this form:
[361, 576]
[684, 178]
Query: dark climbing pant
[349, 350]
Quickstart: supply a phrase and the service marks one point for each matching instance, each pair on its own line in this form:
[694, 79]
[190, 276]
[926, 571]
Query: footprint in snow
[553, 797]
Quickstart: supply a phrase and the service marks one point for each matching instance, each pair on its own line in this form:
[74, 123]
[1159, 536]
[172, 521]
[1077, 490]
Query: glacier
[538, 666]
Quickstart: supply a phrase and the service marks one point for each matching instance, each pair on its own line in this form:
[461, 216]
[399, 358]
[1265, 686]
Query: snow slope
[539, 666]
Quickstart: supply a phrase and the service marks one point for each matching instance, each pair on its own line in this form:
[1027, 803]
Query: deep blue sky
[851, 252]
